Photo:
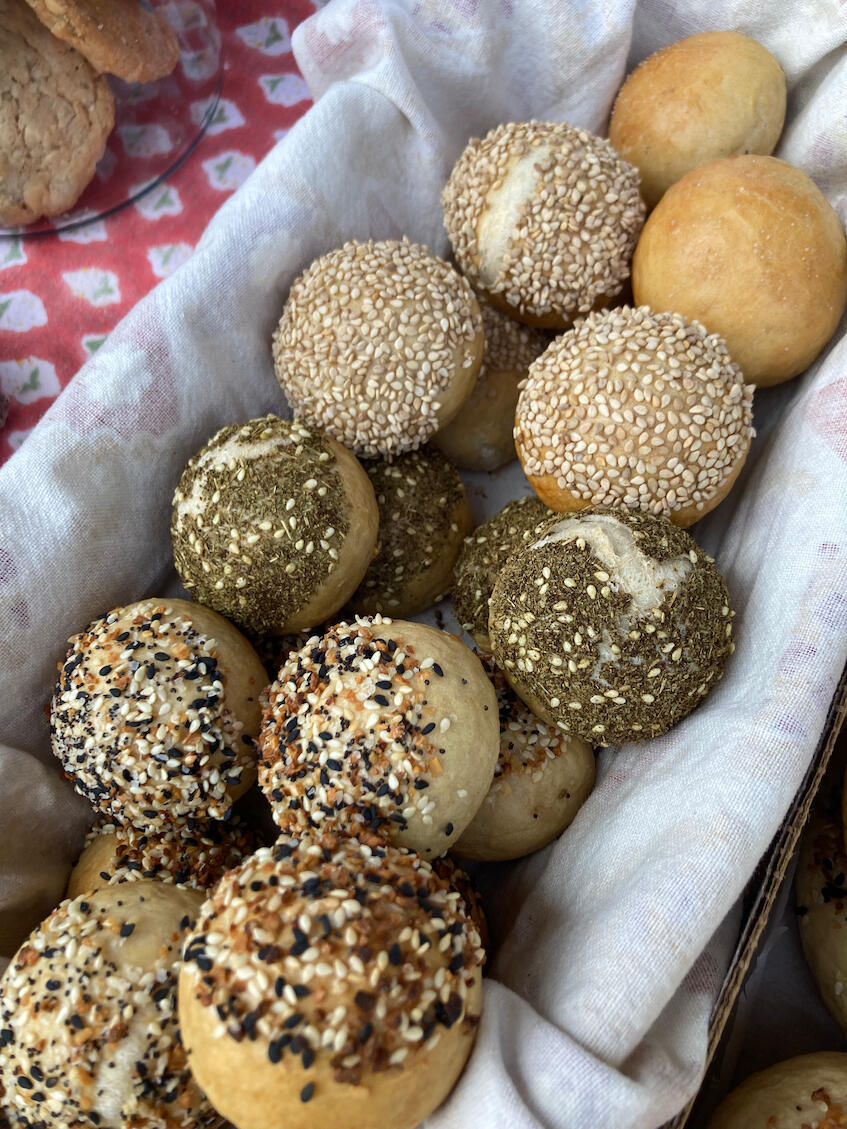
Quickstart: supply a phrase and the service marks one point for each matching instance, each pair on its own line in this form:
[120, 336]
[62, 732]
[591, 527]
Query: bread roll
[543, 219]
[154, 714]
[810, 1090]
[380, 728]
[716, 94]
[379, 344]
[329, 984]
[88, 1016]
[750, 247]
[636, 409]
[424, 516]
[612, 624]
[479, 437]
[273, 525]
[542, 779]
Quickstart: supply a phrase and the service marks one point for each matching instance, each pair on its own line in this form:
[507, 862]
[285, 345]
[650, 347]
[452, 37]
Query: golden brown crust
[55, 116]
[564, 502]
[711, 95]
[750, 247]
[120, 37]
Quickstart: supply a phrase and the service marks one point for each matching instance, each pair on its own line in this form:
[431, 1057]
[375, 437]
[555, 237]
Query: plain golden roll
[795, 1094]
[750, 247]
[711, 95]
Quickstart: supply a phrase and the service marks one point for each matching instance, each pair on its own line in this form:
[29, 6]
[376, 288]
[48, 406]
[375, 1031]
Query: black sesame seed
[428, 728]
[127, 929]
[307, 1092]
[395, 954]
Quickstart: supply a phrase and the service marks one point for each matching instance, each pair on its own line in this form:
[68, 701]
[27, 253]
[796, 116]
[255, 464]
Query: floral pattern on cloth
[62, 294]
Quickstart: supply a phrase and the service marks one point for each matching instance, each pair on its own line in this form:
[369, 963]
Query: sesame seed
[367, 297]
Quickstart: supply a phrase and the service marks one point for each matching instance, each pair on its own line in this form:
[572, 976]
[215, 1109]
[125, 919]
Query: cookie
[55, 116]
[120, 37]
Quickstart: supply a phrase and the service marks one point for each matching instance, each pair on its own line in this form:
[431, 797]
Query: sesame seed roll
[482, 556]
[381, 728]
[195, 857]
[379, 344]
[542, 779]
[424, 516]
[612, 624]
[330, 983]
[543, 219]
[632, 408]
[88, 1025]
[479, 437]
[273, 525]
[155, 711]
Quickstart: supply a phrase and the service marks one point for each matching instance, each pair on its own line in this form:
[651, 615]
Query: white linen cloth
[597, 1005]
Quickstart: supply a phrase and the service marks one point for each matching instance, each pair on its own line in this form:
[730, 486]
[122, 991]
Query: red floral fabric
[61, 293]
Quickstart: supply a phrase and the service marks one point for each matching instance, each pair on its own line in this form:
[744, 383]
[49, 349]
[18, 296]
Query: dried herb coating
[259, 517]
[579, 650]
[483, 555]
[420, 496]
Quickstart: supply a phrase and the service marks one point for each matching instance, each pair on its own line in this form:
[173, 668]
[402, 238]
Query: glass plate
[157, 124]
